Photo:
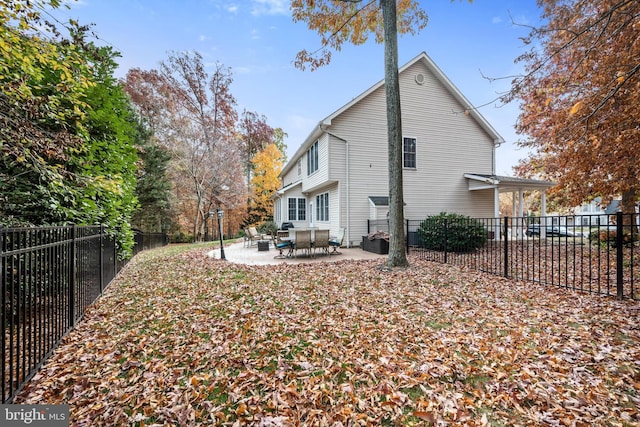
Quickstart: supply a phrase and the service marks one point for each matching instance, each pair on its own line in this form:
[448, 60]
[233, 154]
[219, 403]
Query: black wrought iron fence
[50, 275]
[590, 253]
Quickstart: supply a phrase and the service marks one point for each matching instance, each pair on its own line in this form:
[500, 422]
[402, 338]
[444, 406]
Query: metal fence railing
[49, 276]
[581, 252]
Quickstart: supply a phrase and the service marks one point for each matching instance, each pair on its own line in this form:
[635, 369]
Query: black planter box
[263, 245]
[377, 246]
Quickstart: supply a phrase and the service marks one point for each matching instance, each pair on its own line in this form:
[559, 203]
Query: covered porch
[515, 186]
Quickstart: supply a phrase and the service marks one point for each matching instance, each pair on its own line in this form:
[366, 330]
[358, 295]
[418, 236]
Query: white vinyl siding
[277, 207]
[449, 145]
[352, 160]
[317, 179]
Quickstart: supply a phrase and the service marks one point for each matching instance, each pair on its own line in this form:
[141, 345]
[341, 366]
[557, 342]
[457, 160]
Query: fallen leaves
[182, 339]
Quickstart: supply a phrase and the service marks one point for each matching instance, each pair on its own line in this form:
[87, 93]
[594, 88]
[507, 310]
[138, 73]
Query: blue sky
[258, 40]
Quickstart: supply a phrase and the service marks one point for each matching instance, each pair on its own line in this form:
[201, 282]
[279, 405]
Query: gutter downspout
[496, 143]
[348, 196]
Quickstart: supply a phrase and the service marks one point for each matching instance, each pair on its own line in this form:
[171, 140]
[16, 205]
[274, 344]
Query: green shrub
[455, 232]
[181, 237]
[267, 227]
[607, 237]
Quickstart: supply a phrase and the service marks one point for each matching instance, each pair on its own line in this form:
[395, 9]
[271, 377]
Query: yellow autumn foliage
[267, 166]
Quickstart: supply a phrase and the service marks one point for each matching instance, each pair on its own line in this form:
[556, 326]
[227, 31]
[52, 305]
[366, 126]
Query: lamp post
[220, 215]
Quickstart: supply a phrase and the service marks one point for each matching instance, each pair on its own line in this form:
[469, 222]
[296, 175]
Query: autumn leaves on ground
[182, 339]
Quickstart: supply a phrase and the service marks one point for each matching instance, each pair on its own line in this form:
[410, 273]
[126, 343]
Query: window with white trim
[322, 207]
[409, 153]
[297, 208]
[312, 158]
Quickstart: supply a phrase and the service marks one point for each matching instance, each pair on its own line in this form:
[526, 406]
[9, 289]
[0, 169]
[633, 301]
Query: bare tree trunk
[628, 207]
[628, 202]
[397, 245]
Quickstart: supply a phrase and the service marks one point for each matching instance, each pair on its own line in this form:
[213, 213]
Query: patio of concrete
[241, 254]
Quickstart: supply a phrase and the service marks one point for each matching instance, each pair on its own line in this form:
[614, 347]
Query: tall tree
[192, 114]
[205, 119]
[106, 166]
[68, 132]
[153, 187]
[350, 20]
[579, 100]
[255, 134]
[43, 83]
[267, 165]
[278, 138]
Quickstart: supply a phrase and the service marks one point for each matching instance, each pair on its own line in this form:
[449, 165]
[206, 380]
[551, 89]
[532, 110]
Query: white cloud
[242, 70]
[269, 7]
[496, 20]
[232, 8]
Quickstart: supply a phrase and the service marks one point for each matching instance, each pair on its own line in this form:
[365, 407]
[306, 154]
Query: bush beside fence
[50, 275]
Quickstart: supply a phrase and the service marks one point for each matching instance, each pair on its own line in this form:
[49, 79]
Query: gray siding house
[339, 176]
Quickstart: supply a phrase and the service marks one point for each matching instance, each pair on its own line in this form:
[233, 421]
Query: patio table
[292, 239]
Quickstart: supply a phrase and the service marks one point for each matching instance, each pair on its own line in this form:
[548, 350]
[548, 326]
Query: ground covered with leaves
[182, 339]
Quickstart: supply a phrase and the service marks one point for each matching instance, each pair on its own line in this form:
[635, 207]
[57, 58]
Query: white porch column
[520, 203]
[514, 228]
[521, 213]
[543, 214]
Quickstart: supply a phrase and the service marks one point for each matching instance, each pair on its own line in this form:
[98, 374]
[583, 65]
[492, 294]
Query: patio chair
[321, 241]
[281, 245]
[303, 242]
[336, 242]
[253, 235]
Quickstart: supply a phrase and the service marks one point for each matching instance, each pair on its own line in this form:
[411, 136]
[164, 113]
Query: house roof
[379, 200]
[322, 126]
[613, 207]
[281, 191]
[506, 183]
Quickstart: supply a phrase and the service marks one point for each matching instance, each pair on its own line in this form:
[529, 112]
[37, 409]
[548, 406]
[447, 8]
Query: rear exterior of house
[339, 175]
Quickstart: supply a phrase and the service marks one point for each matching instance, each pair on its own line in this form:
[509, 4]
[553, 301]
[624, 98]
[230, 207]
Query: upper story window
[312, 158]
[409, 153]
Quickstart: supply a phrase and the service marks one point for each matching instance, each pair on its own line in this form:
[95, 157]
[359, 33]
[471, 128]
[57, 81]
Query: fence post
[72, 276]
[506, 246]
[619, 256]
[101, 259]
[115, 258]
[406, 233]
[446, 237]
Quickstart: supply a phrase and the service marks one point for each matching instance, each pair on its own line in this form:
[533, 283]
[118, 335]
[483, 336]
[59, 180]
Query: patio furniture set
[307, 241]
